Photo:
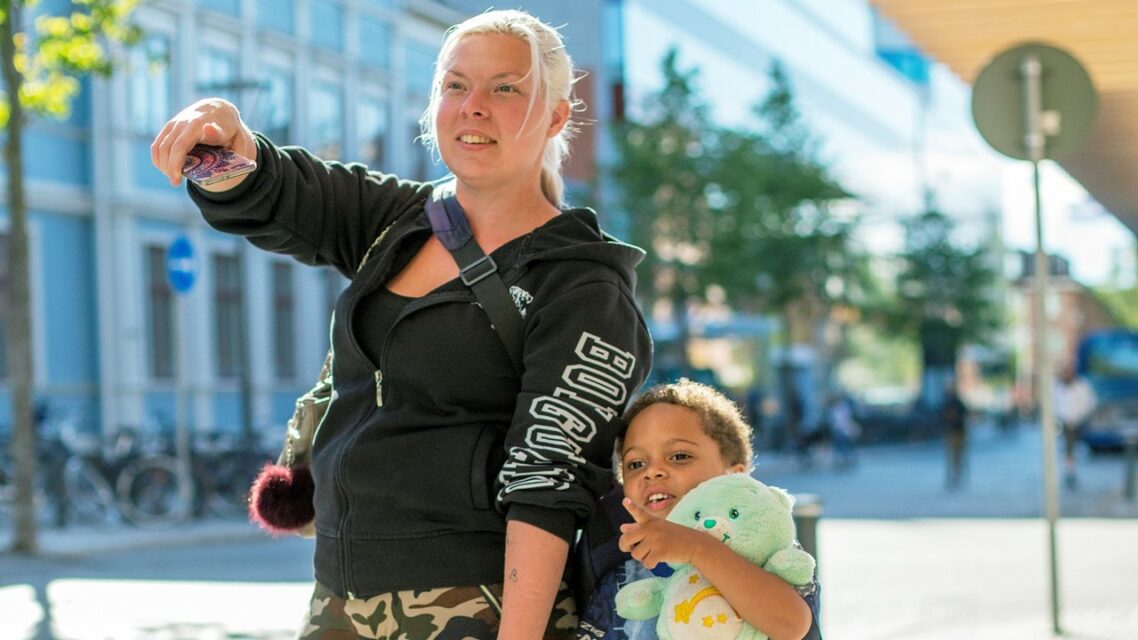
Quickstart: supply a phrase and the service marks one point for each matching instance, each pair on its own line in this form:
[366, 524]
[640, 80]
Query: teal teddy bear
[756, 522]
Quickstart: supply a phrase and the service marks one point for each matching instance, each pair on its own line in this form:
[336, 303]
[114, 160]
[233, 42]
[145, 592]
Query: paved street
[900, 557]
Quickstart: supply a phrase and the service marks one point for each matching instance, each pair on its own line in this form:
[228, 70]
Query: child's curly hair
[721, 418]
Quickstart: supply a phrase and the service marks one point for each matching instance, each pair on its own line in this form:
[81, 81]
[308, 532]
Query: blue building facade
[114, 343]
[348, 79]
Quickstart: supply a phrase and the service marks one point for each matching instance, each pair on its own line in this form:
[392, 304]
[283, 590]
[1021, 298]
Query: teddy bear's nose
[709, 524]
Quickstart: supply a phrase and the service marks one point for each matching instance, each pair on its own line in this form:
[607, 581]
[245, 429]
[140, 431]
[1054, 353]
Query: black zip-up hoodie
[423, 455]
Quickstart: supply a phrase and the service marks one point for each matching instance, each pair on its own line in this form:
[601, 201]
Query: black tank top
[378, 310]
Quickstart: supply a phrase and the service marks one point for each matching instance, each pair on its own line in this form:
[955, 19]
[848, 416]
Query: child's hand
[653, 540]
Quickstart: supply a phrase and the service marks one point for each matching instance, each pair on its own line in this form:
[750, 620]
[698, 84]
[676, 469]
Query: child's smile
[667, 452]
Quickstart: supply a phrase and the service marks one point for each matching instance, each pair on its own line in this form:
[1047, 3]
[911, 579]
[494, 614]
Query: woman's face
[484, 100]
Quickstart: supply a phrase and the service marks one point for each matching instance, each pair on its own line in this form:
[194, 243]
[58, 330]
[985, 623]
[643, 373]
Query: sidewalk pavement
[75, 541]
[900, 556]
[1003, 479]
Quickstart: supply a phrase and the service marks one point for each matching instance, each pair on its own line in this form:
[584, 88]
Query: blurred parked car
[1109, 361]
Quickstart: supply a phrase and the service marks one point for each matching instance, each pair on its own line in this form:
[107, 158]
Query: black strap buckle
[478, 271]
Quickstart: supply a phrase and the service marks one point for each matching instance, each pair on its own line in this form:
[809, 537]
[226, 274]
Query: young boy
[679, 435]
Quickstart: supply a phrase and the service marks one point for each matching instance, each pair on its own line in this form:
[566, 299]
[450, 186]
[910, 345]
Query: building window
[160, 328]
[274, 105]
[217, 75]
[423, 164]
[230, 7]
[420, 60]
[149, 105]
[327, 20]
[276, 15]
[372, 127]
[326, 124]
[375, 42]
[334, 285]
[228, 314]
[284, 321]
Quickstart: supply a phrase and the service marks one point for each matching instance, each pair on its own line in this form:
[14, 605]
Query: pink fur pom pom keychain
[280, 500]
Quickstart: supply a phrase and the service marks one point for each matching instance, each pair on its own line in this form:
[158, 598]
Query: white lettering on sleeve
[563, 421]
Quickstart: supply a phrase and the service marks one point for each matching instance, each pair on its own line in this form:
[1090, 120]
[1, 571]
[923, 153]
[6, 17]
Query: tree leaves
[745, 210]
[65, 47]
[944, 290]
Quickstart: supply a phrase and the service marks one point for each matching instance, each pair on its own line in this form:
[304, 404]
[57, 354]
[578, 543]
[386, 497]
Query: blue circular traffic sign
[181, 265]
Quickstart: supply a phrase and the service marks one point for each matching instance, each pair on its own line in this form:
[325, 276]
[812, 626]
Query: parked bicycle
[126, 478]
[224, 466]
[48, 488]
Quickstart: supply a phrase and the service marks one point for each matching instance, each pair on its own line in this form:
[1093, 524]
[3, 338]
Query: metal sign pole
[1031, 72]
[1020, 116]
[181, 274]
[183, 445]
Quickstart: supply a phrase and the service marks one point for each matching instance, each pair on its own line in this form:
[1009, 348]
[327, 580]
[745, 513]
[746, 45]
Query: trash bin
[1130, 446]
[807, 511]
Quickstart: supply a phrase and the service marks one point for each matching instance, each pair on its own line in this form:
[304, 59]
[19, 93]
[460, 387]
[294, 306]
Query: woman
[437, 461]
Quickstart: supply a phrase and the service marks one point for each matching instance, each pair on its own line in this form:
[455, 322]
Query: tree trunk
[683, 326]
[939, 346]
[24, 535]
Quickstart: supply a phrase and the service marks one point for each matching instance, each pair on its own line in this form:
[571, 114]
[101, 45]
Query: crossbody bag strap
[477, 270]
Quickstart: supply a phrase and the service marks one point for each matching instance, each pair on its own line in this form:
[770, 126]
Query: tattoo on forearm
[513, 575]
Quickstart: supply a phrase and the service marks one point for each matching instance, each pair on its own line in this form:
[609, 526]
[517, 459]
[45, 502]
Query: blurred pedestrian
[954, 420]
[811, 433]
[1075, 402]
[843, 429]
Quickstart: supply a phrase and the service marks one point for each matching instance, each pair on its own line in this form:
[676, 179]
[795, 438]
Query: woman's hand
[211, 121]
[653, 540]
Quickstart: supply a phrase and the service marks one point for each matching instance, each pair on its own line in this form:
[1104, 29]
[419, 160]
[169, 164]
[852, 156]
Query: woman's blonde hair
[721, 418]
[551, 70]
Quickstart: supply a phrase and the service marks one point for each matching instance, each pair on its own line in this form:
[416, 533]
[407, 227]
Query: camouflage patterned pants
[455, 613]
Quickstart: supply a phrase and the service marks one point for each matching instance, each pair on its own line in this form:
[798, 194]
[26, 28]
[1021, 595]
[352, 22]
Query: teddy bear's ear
[785, 498]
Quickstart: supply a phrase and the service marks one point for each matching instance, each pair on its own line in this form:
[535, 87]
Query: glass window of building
[217, 75]
[420, 67]
[326, 121]
[274, 106]
[3, 296]
[149, 105]
[229, 7]
[375, 42]
[227, 314]
[423, 162]
[372, 126]
[276, 15]
[284, 321]
[327, 24]
[160, 323]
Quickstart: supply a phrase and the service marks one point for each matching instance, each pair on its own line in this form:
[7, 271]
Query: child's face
[667, 453]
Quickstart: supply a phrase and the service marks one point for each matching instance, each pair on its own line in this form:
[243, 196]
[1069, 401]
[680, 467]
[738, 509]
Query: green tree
[666, 161]
[778, 220]
[1120, 301]
[945, 295]
[746, 210]
[41, 72]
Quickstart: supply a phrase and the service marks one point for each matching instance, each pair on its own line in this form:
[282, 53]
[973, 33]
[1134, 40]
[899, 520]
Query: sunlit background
[218, 338]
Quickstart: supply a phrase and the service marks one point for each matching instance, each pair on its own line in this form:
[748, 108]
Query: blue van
[1108, 359]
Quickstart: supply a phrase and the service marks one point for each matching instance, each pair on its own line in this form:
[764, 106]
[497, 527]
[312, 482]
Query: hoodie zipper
[345, 516]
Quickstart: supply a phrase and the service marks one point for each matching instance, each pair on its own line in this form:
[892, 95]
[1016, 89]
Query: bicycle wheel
[233, 477]
[149, 494]
[90, 499]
